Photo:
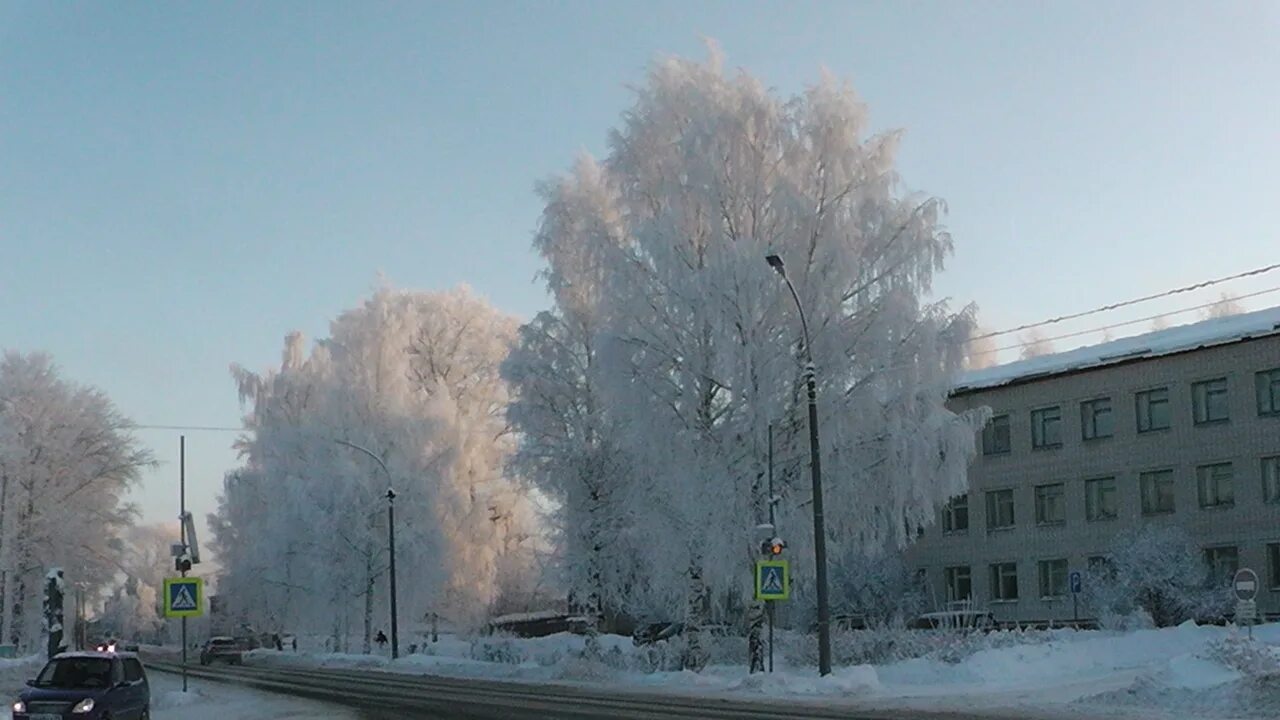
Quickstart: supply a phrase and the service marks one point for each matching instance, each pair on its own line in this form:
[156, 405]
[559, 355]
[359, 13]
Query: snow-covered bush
[1155, 570]
[1244, 655]
[879, 588]
[507, 651]
[881, 646]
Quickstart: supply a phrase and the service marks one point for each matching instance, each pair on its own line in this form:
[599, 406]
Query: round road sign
[1245, 584]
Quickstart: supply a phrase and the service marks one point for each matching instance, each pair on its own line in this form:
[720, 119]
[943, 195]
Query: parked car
[89, 685]
[222, 649]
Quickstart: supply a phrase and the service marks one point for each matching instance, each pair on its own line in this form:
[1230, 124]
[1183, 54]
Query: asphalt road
[387, 696]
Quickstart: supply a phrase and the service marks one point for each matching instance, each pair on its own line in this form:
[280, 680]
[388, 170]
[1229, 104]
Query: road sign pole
[769, 606]
[182, 514]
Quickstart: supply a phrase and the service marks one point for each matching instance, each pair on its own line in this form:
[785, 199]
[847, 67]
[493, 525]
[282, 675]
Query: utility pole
[391, 542]
[182, 525]
[773, 524]
[815, 472]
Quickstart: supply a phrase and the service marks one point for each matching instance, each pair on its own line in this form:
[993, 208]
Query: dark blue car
[87, 686]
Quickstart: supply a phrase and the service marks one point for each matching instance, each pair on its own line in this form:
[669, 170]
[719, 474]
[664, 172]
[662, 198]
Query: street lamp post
[391, 543]
[815, 472]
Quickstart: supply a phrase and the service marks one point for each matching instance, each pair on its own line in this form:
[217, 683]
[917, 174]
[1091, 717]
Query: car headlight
[84, 706]
[19, 706]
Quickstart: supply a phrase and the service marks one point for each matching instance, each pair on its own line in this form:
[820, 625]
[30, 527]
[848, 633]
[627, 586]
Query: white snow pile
[1205, 333]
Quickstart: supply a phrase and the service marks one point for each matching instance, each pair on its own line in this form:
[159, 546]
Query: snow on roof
[1206, 333]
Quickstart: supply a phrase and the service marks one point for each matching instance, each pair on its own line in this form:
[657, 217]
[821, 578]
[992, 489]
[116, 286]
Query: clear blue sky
[183, 183]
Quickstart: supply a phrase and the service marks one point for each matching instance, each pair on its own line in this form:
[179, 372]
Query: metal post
[391, 542]
[773, 524]
[182, 525]
[815, 471]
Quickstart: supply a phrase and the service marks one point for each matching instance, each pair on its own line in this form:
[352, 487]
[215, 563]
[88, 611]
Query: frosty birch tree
[301, 527]
[67, 458]
[695, 341]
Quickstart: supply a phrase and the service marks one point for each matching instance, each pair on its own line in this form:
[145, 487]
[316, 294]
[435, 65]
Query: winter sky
[182, 184]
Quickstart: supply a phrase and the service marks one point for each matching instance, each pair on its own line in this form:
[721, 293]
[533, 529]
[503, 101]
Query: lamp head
[775, 262]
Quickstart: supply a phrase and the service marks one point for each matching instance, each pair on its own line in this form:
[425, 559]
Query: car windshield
[76, 673]
[221, 642]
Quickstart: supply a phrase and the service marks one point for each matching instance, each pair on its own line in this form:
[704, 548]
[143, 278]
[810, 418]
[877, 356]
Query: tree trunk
[695, 655]
[368, 601]
[755, 636]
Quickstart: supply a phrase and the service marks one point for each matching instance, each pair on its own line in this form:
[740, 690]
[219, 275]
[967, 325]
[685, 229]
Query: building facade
[1181, 426]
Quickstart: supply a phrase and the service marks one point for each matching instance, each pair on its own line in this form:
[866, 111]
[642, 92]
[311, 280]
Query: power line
[1126, 303]
[1123, 324]
[191, 428]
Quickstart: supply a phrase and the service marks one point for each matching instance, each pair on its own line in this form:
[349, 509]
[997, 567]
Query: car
[222, 649]
[88, 685]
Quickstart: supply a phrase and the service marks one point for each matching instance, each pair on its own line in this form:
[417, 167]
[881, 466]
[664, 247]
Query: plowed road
[387, 696]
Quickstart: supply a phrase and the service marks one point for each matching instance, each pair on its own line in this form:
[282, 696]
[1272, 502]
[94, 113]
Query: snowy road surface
[391, 696]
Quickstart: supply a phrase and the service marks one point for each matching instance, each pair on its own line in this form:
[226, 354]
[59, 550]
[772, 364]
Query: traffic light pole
[769, 603]
[182, 525]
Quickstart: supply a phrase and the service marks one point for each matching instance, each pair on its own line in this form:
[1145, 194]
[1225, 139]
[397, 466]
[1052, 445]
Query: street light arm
[804, 322]
[371, 454]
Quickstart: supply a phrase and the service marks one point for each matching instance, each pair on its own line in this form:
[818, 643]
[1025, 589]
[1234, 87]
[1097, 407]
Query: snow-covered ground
[203, 701]
[1189, 672]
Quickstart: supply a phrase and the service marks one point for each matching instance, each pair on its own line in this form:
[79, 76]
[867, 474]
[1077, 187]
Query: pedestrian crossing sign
[773, 580]
[183, 597]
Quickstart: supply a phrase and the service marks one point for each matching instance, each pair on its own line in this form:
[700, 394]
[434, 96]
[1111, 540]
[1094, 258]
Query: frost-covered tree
[301, 528]
[67, 459]
[1035, 343]
[1157, 570]
[696, 341]
[1228, 304]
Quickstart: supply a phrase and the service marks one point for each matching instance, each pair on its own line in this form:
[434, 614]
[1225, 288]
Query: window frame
[1201, 406]
[1039, 416]
[1139, 406]
[1269, 469]
[1089, 506]
[1206, 474]
[1062, 504]
[989, 433]
[950, 574]
[1270, 380]
[1089, 413]
[1273, 566]
[996, 575]
[992, 502]
[1041, 577]
[1173, 491]
[949, 514]
[1213, 563]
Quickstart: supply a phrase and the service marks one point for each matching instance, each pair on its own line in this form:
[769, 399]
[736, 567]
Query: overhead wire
[1126, 323]
[1134, 301]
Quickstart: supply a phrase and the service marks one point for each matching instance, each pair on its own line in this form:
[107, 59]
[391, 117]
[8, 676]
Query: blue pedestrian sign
[183, 597]
[1076, 583]
[773, 580]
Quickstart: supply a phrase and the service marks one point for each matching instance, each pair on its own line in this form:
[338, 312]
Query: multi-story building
[1176, 426]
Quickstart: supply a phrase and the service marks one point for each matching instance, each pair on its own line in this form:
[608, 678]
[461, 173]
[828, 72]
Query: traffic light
[773, 547]
[182, 563]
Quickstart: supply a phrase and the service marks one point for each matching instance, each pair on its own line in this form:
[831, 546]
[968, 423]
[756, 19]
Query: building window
[1273, 565]
[1050, 507]
[1096, 419]
[1157, 492]
[1209, 401]
[995, 436]
[1215, 485]
[1268, 383]
[1101, 565]
[959, 583]
[1153, 410]
[1046, 427]
[1271, 479]
[1223, 562]
[1004, 582]
[1053, 578]
[955, 516]
[1100, 499]
[999, 509]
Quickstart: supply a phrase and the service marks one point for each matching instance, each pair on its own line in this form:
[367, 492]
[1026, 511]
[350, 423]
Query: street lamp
[391, 543]
[815, 471]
